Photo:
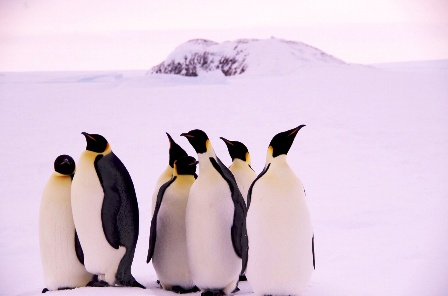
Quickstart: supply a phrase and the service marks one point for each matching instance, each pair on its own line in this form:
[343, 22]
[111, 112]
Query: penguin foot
[243, 278]
[236, 289]
[180, 290]
[45, 290]
[97, 283]
[213, 293]
[65, 288]
[130, 283]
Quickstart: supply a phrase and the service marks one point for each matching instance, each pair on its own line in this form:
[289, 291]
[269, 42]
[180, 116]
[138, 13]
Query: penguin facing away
[241, 166]
[215, 222]
[61, 253]
[168, 241]
[105, 211]
[175, 152]
[281, 252]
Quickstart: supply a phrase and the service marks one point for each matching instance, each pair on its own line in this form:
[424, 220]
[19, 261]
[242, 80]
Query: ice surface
[373, 159]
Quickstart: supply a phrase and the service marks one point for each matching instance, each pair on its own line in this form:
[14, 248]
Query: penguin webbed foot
[130, 283]
[213, 293]
[45, 290]
[180, 290]
[65, 288]
[96, 283]
[242, 278]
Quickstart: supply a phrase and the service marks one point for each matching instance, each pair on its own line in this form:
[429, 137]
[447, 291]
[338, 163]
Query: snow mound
[249, 56]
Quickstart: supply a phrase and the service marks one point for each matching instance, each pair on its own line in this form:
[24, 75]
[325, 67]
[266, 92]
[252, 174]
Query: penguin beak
[88, 136]
[169, 138]
[226, 141]
[194, 163]
[66, 161]
[294, 131]
[187, 135]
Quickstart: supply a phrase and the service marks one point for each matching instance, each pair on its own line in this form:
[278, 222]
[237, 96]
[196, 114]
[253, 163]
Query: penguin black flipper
[249, 193]
[238, 230]
[111, 204]
[312, 248]
[78, 249]
[153, 232]
[119, 213]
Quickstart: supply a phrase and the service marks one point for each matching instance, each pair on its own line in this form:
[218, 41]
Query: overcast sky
[138, 34]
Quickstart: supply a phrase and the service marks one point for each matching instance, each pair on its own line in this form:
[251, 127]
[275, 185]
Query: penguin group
[211, 225]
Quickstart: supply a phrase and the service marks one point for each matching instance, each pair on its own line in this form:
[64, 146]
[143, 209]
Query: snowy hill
[244, 56]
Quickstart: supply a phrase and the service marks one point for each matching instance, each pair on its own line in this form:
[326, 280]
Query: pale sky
[43, 35]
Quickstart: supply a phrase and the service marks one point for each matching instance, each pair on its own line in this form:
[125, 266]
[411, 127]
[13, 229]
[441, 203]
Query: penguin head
[198, 139]
[95, 143]
[65, 165]
[176, 151]
[281, 142]
[185, 165]
[237, 150]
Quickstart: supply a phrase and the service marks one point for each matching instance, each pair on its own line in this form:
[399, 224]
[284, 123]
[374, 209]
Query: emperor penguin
[61, 253]
[215, 222]
[175, 152]
[168, 238]
[281, 240]
[105, 211]
[241, 166]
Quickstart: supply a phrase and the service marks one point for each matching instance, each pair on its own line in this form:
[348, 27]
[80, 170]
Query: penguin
[241, 165]
[175, 152]
[105, 211]
[168, 241]
[281, 240]
[215, 222]
[61, 253]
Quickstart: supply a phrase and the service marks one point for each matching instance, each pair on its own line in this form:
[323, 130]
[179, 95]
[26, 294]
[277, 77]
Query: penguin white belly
[163, 178]
[170, 259]
[87, 200]
[280, 237]
[61, 266]
[209, 219]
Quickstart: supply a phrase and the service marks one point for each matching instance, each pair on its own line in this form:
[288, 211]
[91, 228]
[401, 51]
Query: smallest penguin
[241, 166]
[175, 152]
[168, 239]
[61, 253]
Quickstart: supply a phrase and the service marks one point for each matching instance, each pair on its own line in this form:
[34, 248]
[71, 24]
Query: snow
[372, 157]
[254, 57]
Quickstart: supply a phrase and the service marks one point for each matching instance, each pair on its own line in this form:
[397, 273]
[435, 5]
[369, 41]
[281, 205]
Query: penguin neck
[276, 161]
[184, 178]
[204, 158]
[239, 164]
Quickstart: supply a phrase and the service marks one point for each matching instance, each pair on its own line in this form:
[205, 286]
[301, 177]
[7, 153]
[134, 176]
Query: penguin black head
[176, 151]
[281, 142]
[198, 139]
[236, 150]
[95, 143]
[65, 165]
[186, 165]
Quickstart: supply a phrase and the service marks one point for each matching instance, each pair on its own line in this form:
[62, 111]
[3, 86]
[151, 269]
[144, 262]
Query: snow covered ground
[373, 158]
